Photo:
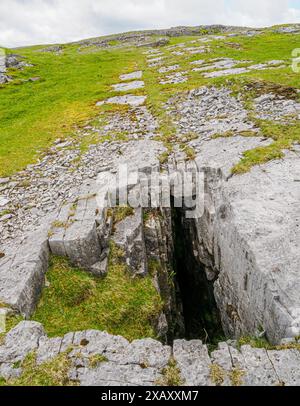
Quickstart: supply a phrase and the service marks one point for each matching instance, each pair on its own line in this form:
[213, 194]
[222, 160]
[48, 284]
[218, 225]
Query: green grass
[254, 342]
[33, 115]
[50, 373]
[119, 303]
[11, 322]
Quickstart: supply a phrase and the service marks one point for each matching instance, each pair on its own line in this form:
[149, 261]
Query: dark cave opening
[200, 312]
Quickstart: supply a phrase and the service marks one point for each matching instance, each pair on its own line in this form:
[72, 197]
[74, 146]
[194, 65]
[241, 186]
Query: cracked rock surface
[207, 111]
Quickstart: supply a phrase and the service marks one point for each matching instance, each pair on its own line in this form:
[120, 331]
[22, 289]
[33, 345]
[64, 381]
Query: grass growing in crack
[50, 373]
[255, 342]
[164, 157]
[59, 224]
[218, 375]
[71, 83]
[11, 321]
[4, 212]
[171, 375]
[118, 303]
[257, 156]
[121, 212]
[189, 152]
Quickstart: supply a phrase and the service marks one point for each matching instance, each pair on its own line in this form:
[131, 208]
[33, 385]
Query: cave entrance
[200, 312]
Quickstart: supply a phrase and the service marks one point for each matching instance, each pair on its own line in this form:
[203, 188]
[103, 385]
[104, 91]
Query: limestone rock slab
[132, 75]
[126, 87]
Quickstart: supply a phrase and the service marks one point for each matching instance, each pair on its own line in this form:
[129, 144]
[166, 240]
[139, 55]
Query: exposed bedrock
[249, 237]
[97, 358]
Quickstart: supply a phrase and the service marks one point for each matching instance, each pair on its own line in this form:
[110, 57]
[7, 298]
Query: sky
[29, 22]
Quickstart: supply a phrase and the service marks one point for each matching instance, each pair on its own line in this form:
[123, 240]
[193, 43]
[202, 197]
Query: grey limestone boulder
[129, 236]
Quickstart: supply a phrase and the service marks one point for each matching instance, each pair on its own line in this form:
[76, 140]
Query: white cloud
[49, 21]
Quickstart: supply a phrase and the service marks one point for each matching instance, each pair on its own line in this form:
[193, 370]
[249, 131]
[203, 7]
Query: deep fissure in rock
[200, 312]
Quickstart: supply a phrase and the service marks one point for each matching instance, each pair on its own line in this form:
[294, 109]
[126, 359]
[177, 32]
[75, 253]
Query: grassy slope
[33, 114]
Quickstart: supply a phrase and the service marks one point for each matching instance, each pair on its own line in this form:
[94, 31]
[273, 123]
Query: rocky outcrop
[245, 230]
[3, 76]
[81, 233]
[100, 359]
[10, 61]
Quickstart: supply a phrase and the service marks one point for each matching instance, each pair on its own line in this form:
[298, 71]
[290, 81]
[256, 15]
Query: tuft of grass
[255, 342]
[4, 212]
[171, 375]
[163, 158]
[59, 224]
[2, 381]
[119, 304]
[121, 212]
[217, 374]
[55, 106]
[51, 373]
[154, 267]
[97, 359]
[257, 156]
